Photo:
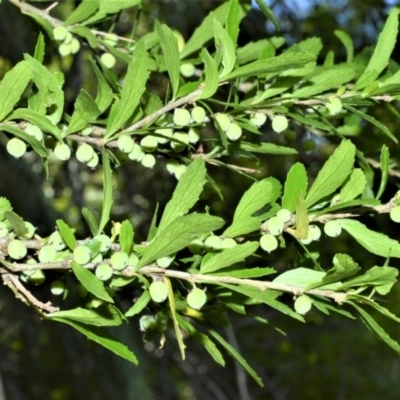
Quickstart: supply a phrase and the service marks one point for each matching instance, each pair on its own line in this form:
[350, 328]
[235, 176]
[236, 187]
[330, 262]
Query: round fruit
[213, 243]
[314, 231]
[82, 254]
[284, 215]
[234, 131]
[30, 231]
[17, 250]
[108, 60]
[148, 161]
[34, 131]
[68, 38]
[104, 272]
[172, 165]
[290, 135]
[165, 262]
[16, 147]
[158, 291]
[84, 153]
[258, 119]
[47, 254]
[56, 241]
[147, 322]
[334, 105]
[198, 114]
[137, 153]
[268, 242]
[3, 230]
[196, 298]
[149, 143]
[105, 242]
[111, 39]
[303, 304]
[187, 70]
[57, 288]
[308, 145]
[93, 162]
[228, 243]
[332, 228]
[395, 214]
[60, 33]
[196, 246]
[181, 117]
[97, 259]
[125, 143]
[180, 171]
[182, 138]
[133, 260]
[119, 260]
[194, 135]
[87, 131]
[64, 49]
[223, 121]
[275, 226]
[165, 135]
[62, 151]
[308, 239]
[37, 278]
[279, 123]
[75, 45]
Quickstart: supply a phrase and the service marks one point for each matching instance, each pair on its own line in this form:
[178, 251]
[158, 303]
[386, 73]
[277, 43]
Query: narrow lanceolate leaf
[169, 46]
[104, 95]
[384, 162]
[233, 21]
[102, 337]
[229, 257]
[210, 85]
[67, 234]
[276, 64]
[268, 13]
[12, 86]
[90, 220]
[177, 235]
[333, 173]
[107, 191]
[133, 88]
[383, 50]
[354, 185]
[225, 47]
[267, 148]
[85, 111]
[345, 38]
[186, 194]
[301, 231]
[90, 282]
[126, 236]
[84, 10]
[296, 182]
[326, 80]
[40, 48]
[139, 304]
[375, 242]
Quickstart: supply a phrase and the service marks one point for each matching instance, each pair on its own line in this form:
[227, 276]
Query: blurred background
[329, 357]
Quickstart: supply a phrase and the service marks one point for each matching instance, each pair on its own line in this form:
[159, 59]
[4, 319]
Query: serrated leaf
[132, 90]
[229, 257]
[126, 236]
[333, 173]
[90, 282]
[382, 52]
[83, 11]
[375, 242]
[12, 86]
[384, 164]
[104, 95]
[139, 304]
[16, 222]
[345, 38]
[169, 46]
[101, 337]
[211, 75]
[225, 47]
[296, 182]
[5, 206]
[107, 191]
[67, 234]
[266, 148]
[90, 220]
[177, 235]
[186, 193]
[354, 186]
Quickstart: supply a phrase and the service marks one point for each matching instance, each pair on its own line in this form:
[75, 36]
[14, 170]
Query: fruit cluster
[68, 43]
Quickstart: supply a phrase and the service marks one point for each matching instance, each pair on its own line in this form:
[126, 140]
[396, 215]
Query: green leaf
[225, 47]
[85, 111]
[267, 148]
[90, 282]
[106, 315]
[169, 46]
[324, 81]
[44, 23]
[104, 93]
[325, 307]
[333, 173]
[139, 305]
[67, 234]
[384, 164]
[101, 337]
[90, 220]
[126, 236]
[268, 13]
[5, 206]
[354, 185]
[110, 7]
[86, 34]
[269, 65]
[107, 191]
[229, 257]
[375, 242]
[153, 227]
[247, 273]
[301, 216]
[40, 48]
[348, 205]
[186, 194]
[382, 52]
[16, 222]
[251, 51]
[12, 86]
[211, 75]
[376, 306]
[296, 182]
[177, 235]
[132, 90]
[233, 21]
[345, 38]
[85, 9]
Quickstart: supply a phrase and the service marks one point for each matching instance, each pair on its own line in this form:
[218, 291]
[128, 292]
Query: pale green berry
[16, 147]
[105, 242]
[334, 105]
[234, 132]
[187, 70]
[284, 215]
[47, 254]
[147, 323]
[149, 143]
[268, 242]
[37, 278]
[133, 260]
[97, 259]
[30, 231]
[196, 246]
[60, 33]
[223, 121]
[57, 288]
[111, 39]
[275, 226]
[119, 260]
[395, 214]
[62, 151]
[228, 243]
[194, 135]
[148, 161]
[75, 45]
[165, 135]
[333, 228]
[108, 60]
[34, 131]
[158, 291]
[104, 272]
[213, 243]
[308, 239]
[125, 143]
[182, 140]
[180, 171]
[172, 165]
[137, 153]
[279, 123]
[56, 241]
[3, 230]
[82, 254]
[181, 117]
[196, 298]
[303, 304]
[94, 161]
[165, 262]
[68, 38]
[198, 114]
[258, 119]
[17, 250]
[64, 49]
[314, 231]
[84, 153]
[87, 131]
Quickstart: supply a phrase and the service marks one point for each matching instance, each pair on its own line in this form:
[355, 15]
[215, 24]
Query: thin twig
[377, 164]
